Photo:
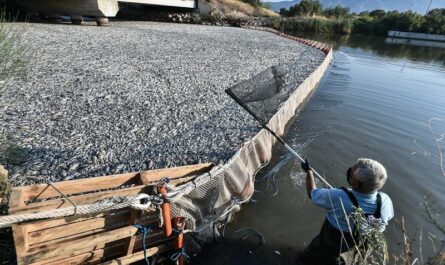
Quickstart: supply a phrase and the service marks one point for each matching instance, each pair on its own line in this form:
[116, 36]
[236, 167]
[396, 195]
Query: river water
[374, 101]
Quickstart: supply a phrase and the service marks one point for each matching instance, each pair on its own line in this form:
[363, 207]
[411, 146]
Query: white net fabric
[208, 200]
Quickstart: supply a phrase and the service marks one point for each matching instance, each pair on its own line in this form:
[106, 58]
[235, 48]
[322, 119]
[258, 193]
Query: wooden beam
[138, 256]
[89, 256]
[45, 224]
[129, 245]
[156, 175]
[43, 191]
[42, 236]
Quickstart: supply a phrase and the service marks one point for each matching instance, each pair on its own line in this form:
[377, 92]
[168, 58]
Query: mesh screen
[265, 93]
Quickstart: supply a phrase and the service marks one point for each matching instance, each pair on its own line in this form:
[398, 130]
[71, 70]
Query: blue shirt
[331, 200]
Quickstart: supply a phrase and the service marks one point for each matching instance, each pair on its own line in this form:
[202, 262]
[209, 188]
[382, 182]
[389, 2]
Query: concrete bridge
[94, 8]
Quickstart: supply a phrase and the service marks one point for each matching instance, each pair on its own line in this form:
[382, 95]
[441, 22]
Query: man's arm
[310, 181]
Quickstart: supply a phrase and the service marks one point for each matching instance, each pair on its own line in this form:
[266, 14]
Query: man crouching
[366, 177]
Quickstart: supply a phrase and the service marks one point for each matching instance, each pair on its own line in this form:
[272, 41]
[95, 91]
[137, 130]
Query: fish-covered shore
[135, 96]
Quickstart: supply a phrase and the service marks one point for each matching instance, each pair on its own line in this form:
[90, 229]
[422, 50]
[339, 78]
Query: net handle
[281, 140]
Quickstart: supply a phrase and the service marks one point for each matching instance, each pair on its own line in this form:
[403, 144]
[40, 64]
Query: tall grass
[13, 51]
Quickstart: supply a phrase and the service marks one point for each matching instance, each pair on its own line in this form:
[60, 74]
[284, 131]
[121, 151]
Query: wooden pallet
[108, 237]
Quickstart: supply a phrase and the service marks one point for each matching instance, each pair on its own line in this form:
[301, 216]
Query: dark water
[373, 102]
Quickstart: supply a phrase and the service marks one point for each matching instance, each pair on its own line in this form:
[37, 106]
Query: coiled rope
[139, 202]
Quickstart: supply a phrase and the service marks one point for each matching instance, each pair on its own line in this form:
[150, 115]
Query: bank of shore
[136, 96]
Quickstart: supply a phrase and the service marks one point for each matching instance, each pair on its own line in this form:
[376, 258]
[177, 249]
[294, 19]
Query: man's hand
[310, 181]
[305, 166]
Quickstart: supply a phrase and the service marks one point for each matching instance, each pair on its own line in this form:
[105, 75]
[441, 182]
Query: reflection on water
[381, 47]
[371, 103]
[423, 43]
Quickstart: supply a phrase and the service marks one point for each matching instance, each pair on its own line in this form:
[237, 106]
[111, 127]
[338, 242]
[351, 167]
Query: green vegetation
[309, 16]
[316, 25]
[12, 50]
[304, 8]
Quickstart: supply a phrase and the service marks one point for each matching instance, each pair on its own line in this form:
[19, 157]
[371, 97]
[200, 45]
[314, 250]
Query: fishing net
[264, 94]
[272, 97]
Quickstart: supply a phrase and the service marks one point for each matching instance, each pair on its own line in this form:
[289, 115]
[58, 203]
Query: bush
[316, 25]
[4, 185]
[365, 25]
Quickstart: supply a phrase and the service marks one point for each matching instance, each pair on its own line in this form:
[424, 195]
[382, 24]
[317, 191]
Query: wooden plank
[156, 175]
[79, 200]
[103, 252]
[84, 253]
[45, 224]
[43, 191]
[52, 250]
[78, 238]
[20, 234]
[153, 222]
[16, 199]
[138, 256]
[324, 46]
[93, 257]
[129, 246]
[69, 229]
[88, 198]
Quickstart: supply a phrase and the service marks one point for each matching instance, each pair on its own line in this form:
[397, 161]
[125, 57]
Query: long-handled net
[263, 95]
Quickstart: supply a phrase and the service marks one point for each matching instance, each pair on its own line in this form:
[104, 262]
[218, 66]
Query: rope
[177, 192]
[177, 255]
[251, 232]
[145, 230]
[115, 203]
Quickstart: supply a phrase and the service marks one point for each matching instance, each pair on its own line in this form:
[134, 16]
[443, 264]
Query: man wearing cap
[366, 177]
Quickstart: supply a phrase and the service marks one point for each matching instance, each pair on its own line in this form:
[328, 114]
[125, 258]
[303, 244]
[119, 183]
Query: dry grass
[13, 51]
[239, 9]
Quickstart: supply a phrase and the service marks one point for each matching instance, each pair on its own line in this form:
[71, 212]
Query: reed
[13, 50]
[315, 25]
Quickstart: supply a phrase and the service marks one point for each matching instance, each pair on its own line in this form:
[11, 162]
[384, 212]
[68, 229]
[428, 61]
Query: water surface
[373, 102]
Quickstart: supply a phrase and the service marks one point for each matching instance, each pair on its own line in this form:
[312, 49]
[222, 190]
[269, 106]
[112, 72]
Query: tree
[338, 11]
[309, 7]
[378, 13]
[435, 21]
[410, 21]
[284, 12]
[304, 8]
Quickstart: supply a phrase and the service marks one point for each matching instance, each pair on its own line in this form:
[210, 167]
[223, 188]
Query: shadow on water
[232, 251]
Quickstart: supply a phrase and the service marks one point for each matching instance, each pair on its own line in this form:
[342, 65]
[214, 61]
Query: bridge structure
[101, 9]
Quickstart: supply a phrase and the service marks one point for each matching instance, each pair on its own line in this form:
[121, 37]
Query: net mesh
[273, 95]
[265, 93]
